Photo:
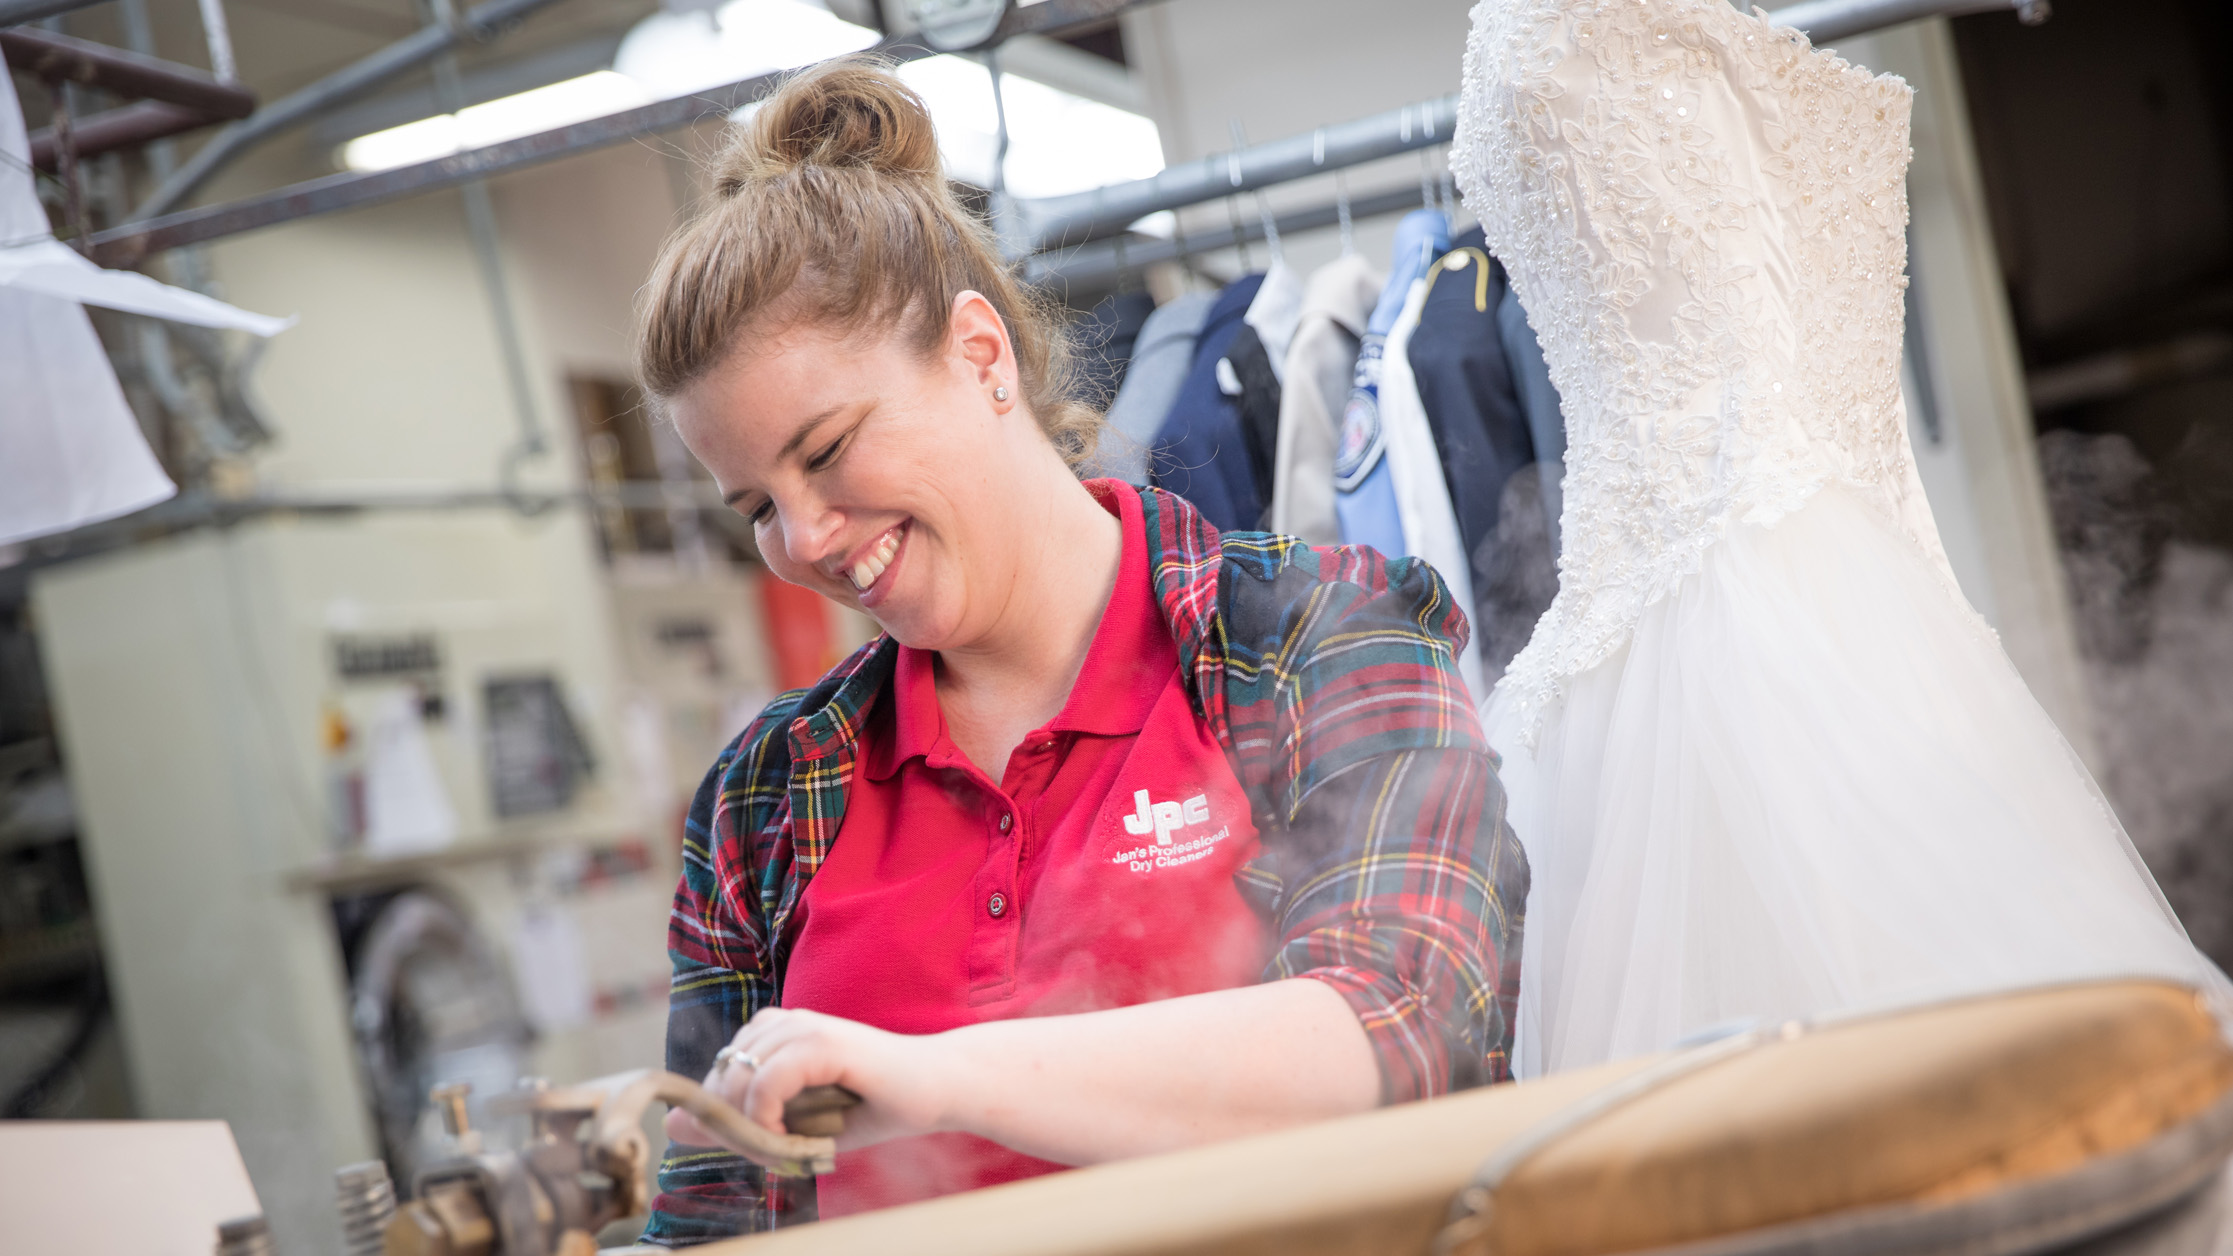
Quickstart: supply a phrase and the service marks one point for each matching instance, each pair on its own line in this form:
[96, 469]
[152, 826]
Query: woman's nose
[810, 533]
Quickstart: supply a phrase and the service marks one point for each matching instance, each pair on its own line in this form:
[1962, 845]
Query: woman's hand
[903, 1080]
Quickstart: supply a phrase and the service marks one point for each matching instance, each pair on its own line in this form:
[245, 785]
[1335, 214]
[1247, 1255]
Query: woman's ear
[979, 337]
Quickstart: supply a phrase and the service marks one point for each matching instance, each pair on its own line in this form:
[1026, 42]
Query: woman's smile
[870, 570]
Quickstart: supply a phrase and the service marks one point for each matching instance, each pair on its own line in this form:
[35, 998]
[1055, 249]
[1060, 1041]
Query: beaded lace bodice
[1705, 219]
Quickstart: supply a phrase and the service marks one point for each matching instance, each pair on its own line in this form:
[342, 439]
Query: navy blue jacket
[1201, 453]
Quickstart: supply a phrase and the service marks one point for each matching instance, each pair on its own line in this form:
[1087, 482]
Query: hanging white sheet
[70, 451]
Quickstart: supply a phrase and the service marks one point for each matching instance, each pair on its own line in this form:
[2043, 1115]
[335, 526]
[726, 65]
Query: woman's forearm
[1129, 1081]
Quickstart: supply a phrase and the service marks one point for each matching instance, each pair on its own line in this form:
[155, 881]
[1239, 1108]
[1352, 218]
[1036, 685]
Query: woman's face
[874, 475]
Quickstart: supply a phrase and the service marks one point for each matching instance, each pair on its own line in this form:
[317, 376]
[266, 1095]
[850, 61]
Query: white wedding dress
[1765, 760]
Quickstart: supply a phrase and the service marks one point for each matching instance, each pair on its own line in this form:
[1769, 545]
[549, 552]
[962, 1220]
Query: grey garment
[1516, 570]
[1538, 400]
[1161, 357]
[1321, 367]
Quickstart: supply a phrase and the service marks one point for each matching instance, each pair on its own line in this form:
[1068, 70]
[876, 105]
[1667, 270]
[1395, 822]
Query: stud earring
[999, 394]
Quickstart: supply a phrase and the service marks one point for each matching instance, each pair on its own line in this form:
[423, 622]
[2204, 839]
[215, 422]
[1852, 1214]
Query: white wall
[394, 375]
[1282, 69]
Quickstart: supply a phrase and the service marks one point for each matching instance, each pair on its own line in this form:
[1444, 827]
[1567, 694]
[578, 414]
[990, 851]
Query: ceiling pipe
[60, 58]
[16, 12]
[127, 245]
[144, 236]
[481, 22]
[112, 129]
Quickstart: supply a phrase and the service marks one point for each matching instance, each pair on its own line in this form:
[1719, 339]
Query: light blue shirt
[1364, 495]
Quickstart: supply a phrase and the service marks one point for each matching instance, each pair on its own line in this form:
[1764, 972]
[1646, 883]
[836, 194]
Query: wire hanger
[1341, 192]
[1232, 206]
[1263, 207]
[1240, 237]
[1188, 267]
[1341, 208]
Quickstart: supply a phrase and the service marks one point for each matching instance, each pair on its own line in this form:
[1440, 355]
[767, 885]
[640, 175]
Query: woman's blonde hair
[829, 209]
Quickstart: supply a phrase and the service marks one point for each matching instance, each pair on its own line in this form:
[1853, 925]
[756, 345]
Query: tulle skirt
[1809, 783]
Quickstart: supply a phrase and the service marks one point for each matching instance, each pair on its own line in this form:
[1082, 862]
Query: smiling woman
[1124, 836]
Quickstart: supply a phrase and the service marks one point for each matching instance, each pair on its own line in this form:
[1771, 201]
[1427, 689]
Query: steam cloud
[2154, 603]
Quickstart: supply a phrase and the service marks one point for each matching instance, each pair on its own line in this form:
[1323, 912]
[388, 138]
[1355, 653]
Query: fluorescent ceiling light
[574, 100]
[1058, 142]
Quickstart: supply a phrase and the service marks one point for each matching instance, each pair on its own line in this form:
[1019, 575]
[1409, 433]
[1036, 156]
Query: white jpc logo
[1165, 817]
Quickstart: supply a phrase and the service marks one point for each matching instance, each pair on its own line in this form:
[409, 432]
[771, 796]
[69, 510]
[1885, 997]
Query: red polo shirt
[1096, 872]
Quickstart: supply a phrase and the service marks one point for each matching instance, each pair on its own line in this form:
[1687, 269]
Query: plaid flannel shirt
[1328, 676]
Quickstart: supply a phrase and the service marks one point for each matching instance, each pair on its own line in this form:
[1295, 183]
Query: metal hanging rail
[1057, 222]
[1110, 258]
[1827, 20]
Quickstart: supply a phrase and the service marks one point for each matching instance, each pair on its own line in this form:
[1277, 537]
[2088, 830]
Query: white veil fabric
[1765, 760]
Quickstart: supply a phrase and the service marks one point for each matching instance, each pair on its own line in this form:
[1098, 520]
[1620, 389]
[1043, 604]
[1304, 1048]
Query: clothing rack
[1060, 221]
[1105, 261]
[1052, 233]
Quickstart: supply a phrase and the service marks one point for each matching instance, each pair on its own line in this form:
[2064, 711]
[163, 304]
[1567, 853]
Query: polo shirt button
[998, 904]
[1007, 822]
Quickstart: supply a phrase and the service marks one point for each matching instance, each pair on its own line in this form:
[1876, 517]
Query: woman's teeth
[868, 569]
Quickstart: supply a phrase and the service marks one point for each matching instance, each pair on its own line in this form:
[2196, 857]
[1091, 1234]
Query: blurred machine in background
[363, 812]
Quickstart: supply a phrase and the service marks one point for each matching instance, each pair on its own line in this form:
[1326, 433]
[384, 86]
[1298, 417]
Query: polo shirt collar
[1132, 656]
[1126, 668]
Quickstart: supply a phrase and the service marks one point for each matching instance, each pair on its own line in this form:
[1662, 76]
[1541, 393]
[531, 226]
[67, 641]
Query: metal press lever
[584, 1165]
[815, 1116]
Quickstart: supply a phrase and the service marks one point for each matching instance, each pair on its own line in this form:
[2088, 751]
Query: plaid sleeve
[1412, 914]
[718, 948]
[1396, 879]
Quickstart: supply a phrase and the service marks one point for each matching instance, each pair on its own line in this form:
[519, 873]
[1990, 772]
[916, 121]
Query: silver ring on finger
[726, 1056]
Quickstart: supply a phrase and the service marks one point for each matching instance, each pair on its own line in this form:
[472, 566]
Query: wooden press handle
[819, 1111]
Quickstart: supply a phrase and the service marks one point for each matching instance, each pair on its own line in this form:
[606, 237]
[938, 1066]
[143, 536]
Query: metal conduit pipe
[197, 508]
[17, 12]
[482, 21]
[131, 242]
[480, 222]
[61, 58]
[218, 33]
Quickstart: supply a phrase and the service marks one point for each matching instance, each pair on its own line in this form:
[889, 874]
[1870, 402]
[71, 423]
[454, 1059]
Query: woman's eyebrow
[806, 430]
[798, 438]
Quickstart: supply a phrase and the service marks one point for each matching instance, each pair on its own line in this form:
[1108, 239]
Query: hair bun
[852, 113]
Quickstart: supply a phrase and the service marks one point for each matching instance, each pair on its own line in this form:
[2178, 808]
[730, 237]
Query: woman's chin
[912, 628]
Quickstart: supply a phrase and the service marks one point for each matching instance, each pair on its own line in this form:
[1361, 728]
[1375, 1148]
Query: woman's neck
[1016, 676]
